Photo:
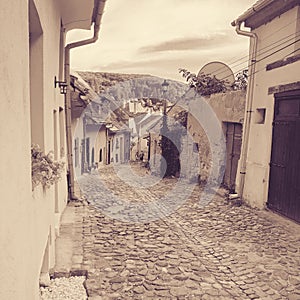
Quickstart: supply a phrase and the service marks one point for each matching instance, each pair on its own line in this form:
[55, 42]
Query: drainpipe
[99, 12]
[249, 103]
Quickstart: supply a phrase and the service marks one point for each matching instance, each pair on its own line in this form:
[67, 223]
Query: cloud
[190, 43]
[167, 64]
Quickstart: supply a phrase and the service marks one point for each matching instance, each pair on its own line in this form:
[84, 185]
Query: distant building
[140, 125]
[190, 140]
[81, 97]
[100, 136]
[270, 161]
[121, 150]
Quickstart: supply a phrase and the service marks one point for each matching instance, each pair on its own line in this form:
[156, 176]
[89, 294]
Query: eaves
[265, 11]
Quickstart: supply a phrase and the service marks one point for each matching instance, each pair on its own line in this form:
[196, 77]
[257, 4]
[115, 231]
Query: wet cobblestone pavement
[220, 251]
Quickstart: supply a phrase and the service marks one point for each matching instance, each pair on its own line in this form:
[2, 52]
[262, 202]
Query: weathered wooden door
[284, 182]
[233, 151]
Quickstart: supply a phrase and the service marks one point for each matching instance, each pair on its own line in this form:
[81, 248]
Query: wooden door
[284, 181]
[82, 155]
[93, 156]
[233, 151]
[121, 150]
[108, 152]
[88, 153]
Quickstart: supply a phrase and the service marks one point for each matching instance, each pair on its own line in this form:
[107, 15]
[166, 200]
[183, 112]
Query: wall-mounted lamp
[61, 84]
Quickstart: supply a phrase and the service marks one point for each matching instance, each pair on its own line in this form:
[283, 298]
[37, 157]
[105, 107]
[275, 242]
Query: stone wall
[197, 144]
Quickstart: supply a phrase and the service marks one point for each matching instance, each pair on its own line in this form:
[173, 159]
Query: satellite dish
[218, 69]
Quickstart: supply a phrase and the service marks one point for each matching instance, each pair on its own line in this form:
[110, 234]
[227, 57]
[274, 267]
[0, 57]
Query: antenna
[218, 69]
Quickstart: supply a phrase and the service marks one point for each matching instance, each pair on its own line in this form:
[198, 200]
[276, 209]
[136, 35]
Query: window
[61, 52]
[260, 115]
[55, 134]
[195, 147]
[62, 132]
[36, 76]
[100, 155]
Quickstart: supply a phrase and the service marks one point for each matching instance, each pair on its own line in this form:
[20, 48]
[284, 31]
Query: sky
[157, 37]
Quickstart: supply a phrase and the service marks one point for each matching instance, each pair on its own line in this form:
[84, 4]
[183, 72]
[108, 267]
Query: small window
[195, 147]
[260, 115]
[62, 132]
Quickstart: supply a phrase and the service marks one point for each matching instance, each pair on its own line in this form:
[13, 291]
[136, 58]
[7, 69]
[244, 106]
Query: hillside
[100, 81]
[117, 88]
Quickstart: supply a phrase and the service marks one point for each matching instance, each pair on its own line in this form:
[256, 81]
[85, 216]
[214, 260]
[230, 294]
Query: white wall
[92, 133]
[122, 151]
[260, 137]
[15, 155]
[101, 144]
[77, 135]
[27, 219]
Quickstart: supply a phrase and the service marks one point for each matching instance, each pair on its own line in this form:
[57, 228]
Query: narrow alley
[224, 250]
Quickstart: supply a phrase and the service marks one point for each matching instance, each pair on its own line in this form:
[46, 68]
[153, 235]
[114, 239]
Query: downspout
[100, 8]
[249, 103]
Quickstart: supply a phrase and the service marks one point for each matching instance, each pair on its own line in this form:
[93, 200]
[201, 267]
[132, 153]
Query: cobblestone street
[221, 251]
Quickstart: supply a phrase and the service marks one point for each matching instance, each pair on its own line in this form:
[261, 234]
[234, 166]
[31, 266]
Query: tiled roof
[251, 11]
[264, 11]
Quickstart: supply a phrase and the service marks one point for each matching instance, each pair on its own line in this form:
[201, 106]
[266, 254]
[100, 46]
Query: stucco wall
[15, 156]
[229, 107]
[120, 149]
[77, 136]
[101, 144]
[155, 152]
[91, 133]
[28, 219]
[260, 136]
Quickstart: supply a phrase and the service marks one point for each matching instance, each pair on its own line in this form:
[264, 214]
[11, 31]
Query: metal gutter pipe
[97, 20]
[249, 103]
